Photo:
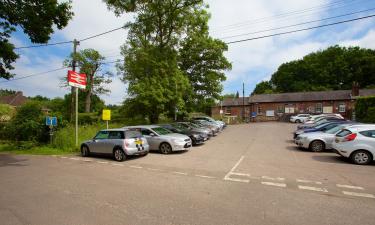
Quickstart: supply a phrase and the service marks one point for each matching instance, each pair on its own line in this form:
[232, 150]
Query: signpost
[106, 115]
[51, 122]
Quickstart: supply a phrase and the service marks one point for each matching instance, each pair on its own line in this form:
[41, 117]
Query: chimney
[355, 89]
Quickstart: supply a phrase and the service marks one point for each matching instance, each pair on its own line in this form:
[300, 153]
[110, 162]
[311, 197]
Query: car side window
[368, 133]
[116, 135]
[146, 132]
[102, 135]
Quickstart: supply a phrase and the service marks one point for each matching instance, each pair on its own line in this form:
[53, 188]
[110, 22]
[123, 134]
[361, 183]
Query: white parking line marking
[77, 159]
[272, 178]
[87, 160]
[102, 162]
[312, 188]
[358, 194]
[136, 167]
[231, 172]
[153, 169]
[349, 186]
[204, 176]
[237, 180]
[180, 173]
[308, 181]
[274, 184]
[64, 157]
[117, 164]
[241, 174]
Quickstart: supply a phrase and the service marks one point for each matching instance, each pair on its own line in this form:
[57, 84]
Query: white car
[357, 143]
[300, 118]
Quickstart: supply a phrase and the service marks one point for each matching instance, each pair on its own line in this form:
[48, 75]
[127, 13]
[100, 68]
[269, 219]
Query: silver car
[319, 141]
[118, 142]
[164, 140]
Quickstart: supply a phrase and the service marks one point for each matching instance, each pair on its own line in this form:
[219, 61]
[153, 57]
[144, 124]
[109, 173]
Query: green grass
[35, 150]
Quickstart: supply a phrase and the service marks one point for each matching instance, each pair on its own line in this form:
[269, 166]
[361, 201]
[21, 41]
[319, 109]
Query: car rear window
[368, 133]
[343, 133]
[132, 134]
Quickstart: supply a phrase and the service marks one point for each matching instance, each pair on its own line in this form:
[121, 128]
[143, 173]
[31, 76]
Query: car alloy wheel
[298, 121]
[84, 151]
[119, 155]
[317, 146]
[361, 157]
[165, 148]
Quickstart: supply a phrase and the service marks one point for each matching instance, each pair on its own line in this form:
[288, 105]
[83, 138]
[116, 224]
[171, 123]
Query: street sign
[106, 114]
[51, 121]
[77, 79]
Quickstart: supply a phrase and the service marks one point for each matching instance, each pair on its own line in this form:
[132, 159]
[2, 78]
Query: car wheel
[85, 151]
[119, 155]
[317, 146]
[361, 157]
[165, 148]
[298, 121]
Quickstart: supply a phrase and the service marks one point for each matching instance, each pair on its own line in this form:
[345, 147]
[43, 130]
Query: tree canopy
[335, 68]
[37, 19]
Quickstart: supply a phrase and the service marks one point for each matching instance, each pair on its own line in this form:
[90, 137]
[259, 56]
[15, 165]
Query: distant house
[265, 107]
[14, 100]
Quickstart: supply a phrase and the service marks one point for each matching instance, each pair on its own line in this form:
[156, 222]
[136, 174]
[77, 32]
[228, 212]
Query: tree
[264, 87]
[90, 63]
[6, 92]
[37, 19]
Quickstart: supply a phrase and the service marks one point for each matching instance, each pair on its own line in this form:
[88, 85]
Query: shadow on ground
[10, 160]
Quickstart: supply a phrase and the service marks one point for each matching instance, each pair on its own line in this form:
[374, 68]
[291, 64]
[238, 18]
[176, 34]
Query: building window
[259, 110]
[342, 107]
[280, 109]
[228, 110]
[319, 108]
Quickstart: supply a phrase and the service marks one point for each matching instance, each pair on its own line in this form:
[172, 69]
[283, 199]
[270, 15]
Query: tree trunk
[72, 105]
[88, 95]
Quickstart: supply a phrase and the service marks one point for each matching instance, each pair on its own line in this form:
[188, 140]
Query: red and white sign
[77, 79]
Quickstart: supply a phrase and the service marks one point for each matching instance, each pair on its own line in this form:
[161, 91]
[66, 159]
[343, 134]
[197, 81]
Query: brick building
[268, 107]
[14, 100]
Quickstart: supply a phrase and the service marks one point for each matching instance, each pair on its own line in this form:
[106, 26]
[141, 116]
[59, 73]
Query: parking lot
[248, 174]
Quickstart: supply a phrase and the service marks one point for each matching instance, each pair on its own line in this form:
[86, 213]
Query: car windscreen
[321, 122]
[321, 125]
[335, 129]
[132, 134]
[161, 131]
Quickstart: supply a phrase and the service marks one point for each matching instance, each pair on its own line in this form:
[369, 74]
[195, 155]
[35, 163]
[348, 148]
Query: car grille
[187, 140]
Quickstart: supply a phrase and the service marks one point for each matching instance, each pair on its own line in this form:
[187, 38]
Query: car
[196, 128]
[319, 121]
[197, 138]
[117, 142]
[356, 143]
[321, 127]
[299, 118]
[163, 140]
[319, 141]
[209, 119]
[203, 123]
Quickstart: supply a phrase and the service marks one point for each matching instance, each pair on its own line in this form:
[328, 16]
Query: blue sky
[253, 61]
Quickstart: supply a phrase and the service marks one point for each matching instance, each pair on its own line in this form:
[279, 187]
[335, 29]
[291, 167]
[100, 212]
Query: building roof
[14, 100]
[235, 101]
[309, 96]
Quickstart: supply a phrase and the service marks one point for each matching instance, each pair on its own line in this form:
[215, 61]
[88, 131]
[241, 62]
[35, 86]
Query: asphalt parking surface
[249, 174]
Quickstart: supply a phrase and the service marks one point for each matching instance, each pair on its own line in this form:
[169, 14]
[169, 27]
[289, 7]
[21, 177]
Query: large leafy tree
[334, 68]
[37, 19]
[90, 62]
[158, 79]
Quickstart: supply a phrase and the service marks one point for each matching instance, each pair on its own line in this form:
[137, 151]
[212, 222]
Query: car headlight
[178, 141]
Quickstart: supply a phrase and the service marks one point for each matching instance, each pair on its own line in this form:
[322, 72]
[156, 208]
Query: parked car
[321, 140]
[202, 123]
[321, 127]
[356, 143]
[299, 118]
[118, 142]
[196, 137]
[196, 128]
[209, 119]
[319, 121]
[164, 140]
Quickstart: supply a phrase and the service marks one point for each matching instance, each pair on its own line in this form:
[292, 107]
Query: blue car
[321, 127]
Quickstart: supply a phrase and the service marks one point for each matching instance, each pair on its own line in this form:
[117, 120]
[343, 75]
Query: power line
[35, 74]
[299, 30]
[43, 45]
[298, 24]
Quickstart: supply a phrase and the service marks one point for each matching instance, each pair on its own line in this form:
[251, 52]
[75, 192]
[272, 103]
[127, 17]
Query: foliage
[365, 109]
[6, 92]
[90, 63]
[332, 69]
[6, 112]
[264, 87]
[97, 104]
[230, 95]
[171, 63]
[37, 18]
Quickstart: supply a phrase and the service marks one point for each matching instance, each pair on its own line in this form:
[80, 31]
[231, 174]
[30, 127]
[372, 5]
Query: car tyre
[165, 148]
[298, 121]
[361, 157]
[85, 151]
[119, 155]
[317, 146]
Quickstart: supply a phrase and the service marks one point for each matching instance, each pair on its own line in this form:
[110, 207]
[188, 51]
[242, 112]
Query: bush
[365, 109]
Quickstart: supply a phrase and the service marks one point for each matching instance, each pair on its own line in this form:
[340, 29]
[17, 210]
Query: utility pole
[175, 107]
[75, 43]
[243, 101]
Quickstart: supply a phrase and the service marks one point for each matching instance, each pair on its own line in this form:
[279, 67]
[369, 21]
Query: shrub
[365, 109]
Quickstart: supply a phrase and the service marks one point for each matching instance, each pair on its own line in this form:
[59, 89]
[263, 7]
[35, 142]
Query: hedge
[365, 109]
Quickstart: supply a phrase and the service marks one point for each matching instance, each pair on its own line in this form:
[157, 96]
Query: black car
[196, 137]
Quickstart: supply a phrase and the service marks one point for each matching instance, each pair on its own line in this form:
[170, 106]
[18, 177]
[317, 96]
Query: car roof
[117, 129]
[143, 126]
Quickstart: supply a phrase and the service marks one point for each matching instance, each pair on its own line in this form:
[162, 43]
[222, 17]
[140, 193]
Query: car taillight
[126, 143]
[350, 137]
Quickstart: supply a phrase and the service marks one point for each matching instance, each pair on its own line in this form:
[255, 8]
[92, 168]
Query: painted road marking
[272, 178]
[231, 172]
[274, 184]
[180, 173]
[356, 194]
[77, 159]
[312, 188]
[349, 186]
[64, 157]
[136, 167]
[204, 176]
[153, 169]
[308, 181]
[102, 162]
[87, 160]
[117, 164]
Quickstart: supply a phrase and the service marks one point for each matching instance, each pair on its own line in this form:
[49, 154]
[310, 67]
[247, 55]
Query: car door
[114, 138]
[99, 142]
[151, 138]
[369, 139]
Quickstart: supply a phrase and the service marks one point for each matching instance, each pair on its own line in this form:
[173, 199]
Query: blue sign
[51, 121]
[254, 114]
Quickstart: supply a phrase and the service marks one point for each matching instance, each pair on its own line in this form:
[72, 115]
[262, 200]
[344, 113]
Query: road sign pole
[107, 124]
[75, 43]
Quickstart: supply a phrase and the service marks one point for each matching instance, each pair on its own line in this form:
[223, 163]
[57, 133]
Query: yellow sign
[106, 114]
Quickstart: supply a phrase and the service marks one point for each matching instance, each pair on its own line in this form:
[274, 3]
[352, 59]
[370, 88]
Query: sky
[252, 61]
